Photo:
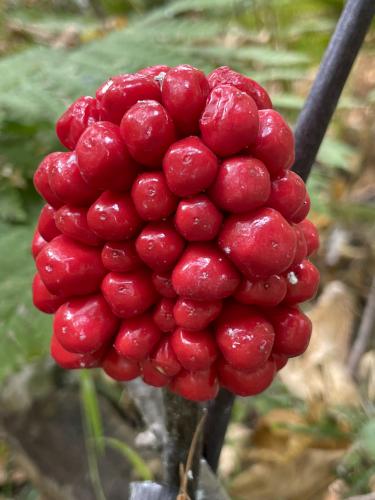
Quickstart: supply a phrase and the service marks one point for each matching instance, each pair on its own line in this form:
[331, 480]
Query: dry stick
[365, 330]
[311, 126]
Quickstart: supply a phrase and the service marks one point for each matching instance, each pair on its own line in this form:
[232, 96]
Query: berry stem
[182, 418]
[310, 129]
[325, 92]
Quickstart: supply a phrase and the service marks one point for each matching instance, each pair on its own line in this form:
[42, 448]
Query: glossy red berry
[268, 292]
[197, 219]
[287, 194]
[201, 385]
[46, 223]
[260, 243]
[72, 222]
[43, 299]
[189, 166]
[225, 75]
[159, 245]
[85, 325]
[194, 350]
[137, 337]
[280, 360]
[37, 243]
[163, 284]
[74, 121]
[103, 158]
[163, 315]
[120, 368]
[69, 268]
[152, 376]
[241, 185]
[311, 235]
[71, 360]
[41, 180]
[157, 72]
[129, 294]
[67, 182]
[121, 92]
[196, 315]
[204, 273]
[274, 144]
[244, 336]
[292, 330]
[229, 122]
[120, 256]
[113, 217]
[184, 93]
[303, 211]
[301, 246]
[164, 359]
[303, 281]
[151, 196]
[148, 131]
[246, 383]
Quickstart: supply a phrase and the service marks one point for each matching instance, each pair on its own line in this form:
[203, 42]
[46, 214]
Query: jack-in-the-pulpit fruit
[174, 244]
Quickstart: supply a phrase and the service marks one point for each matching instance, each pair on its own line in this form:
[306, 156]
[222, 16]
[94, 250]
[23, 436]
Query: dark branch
[327, 87]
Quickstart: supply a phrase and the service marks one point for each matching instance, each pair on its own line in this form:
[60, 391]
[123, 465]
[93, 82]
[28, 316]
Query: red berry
[163, 315]
[120, 256]
[197, 219]
[103, 159]
[121, 92]
[204, 273]
[302, 281]
[159, 246]
[43, 299]
[303, 211]
[152, 376]
[184, 93]
[301, 247]
[84, 325]
[189, 166]
[287, 194]
[38, 242]
[152, 197]
[229, 122]
[292, 330]
[46, 223]
[196, 315]
[69, 268]
[260, 243]
[200, 385]
[148, 131]
[225, 75]
[74, 121]
[113, 217]
[129, 294]
[244, 337]
[246, 383]
[274, 144]
[164, 359]
[163, 284]
[311, 235]
[120, 368]
[71, 360]
[41, 180]
[268, 292]
[242, 184]
[280, 360]
[157, 72]
[194, 350]
[137, 337]
[73, 223]
[67, 182]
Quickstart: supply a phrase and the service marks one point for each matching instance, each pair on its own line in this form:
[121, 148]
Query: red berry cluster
[173, 245]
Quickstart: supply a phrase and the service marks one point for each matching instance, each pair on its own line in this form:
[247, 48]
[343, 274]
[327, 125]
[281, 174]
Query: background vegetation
[52, 51]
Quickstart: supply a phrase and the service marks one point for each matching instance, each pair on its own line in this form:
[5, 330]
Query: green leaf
[335, 153]
[139, 465]
[91, 408]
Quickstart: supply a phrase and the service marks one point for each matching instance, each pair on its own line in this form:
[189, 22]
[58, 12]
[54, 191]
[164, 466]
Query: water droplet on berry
[292, 278]
[274, 244]
[49, 268]
[102, 217]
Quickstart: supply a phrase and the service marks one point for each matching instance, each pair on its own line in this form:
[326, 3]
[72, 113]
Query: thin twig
[365, 330]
